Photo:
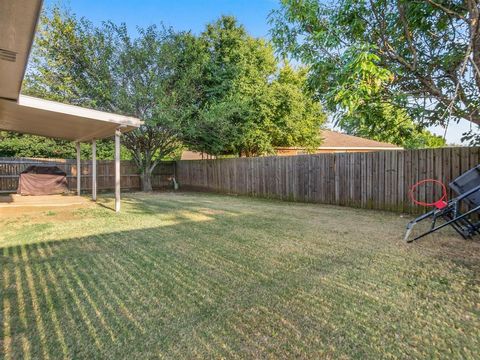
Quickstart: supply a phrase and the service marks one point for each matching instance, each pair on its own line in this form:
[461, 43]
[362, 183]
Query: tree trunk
[146, 178]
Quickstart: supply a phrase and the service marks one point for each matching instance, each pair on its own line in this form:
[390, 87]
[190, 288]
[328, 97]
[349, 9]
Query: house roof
[335, 139]
[191, 155]
[332, 140]
[18, 20]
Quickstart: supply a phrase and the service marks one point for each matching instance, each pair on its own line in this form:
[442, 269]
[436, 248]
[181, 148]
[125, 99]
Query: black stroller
[466, 224]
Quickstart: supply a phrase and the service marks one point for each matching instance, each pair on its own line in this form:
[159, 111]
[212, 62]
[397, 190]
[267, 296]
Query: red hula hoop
[440, 203]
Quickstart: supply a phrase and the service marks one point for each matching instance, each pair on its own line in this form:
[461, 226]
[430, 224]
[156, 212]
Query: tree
[105, 69]
[232, 78]
[242, 103]
[362, 106]
[396, 127]
[424, 54]
[297, 116]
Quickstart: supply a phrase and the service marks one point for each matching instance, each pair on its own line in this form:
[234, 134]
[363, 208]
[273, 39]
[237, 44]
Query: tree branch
[446, 10]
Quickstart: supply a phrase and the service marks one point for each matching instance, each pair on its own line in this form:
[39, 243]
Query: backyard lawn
[211, 276]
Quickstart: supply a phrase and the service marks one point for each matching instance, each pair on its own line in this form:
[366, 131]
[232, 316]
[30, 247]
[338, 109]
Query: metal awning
[56, 120]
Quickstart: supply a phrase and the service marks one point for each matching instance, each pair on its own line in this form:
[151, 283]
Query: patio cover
[52, 119]
[28, 115]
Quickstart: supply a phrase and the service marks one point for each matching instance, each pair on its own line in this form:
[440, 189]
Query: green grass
[210, 276]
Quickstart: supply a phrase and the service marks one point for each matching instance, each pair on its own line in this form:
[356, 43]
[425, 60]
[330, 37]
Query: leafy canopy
[21, 145]
[222, 92]
[106, 69]
[242, 103]
[420, 56]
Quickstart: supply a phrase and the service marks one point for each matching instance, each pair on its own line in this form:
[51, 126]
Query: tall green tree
[297, 116]
[233, 71]
[243, 104]
[105, 68]
[421, 56]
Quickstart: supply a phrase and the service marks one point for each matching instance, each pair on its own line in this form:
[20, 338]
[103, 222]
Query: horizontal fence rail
[10, 169]
[376, 180]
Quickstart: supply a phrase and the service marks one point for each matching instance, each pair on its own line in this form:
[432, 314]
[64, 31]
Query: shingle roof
[331, 140]
[191, 155]
[336, 139]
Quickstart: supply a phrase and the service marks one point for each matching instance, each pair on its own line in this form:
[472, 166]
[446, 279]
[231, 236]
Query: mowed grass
[210, 276]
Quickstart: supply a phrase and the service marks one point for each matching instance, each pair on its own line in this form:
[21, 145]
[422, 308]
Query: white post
[79, 170]
[94, 170]
[117, 170]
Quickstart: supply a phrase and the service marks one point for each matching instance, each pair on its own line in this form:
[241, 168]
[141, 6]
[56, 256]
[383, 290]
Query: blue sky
[194, 15]
[180, 14]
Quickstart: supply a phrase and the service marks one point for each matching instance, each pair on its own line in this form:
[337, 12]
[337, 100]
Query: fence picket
[10, 169]
[378, 180]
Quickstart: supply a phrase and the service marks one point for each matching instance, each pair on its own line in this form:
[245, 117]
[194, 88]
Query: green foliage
[297, 115]
[361, 104]
[221, 92]
[395, 126]
[20, 145]
[242, 102]
[420, 56]
[104, 68]
[359, 82]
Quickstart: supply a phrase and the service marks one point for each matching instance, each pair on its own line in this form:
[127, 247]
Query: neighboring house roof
[333, 139]
[191, 155]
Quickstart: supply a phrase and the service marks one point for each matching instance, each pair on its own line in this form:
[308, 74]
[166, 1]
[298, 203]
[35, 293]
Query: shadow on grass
[148, 203]
[108, 294]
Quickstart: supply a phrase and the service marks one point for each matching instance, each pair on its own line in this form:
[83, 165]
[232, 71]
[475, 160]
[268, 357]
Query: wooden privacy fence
[376, 180]
[10, 169]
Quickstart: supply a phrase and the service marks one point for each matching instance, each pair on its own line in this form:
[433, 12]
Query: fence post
[79, 170]
[117, 170]
[94, 170]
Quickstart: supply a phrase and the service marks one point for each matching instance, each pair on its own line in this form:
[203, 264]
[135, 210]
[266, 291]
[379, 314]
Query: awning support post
[117, 170]
[79, 170]
[94, 170]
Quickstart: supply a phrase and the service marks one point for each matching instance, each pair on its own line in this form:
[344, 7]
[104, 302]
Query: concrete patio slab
[16, 204]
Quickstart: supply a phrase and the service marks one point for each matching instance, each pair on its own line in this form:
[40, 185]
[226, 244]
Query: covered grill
[42, 180]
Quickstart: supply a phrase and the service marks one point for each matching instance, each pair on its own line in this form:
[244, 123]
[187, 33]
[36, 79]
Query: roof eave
[55, 120]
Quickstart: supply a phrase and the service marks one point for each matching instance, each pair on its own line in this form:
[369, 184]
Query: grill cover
[42, 180]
